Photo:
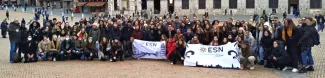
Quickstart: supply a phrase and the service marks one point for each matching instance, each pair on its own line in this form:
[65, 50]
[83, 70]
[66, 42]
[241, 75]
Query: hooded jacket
[267, 41]
[280, 54]
[95, 34]
[250, 39]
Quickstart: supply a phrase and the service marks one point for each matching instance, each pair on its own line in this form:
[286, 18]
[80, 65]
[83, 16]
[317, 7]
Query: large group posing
[271, 43]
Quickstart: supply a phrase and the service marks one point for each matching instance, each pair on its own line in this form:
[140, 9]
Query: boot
[310, 68]
[302, 70]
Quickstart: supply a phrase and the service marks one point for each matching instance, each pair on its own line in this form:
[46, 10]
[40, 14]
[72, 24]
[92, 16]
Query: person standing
[289, 36]
[305, 43]
[13, 37]
[4, 28]
[7, 14]
[72, 15]
[320, 21]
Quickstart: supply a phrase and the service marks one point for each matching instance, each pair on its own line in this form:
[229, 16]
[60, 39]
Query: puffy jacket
[66, 45]
[250, 39]
[80, 44]
[126, 33]
[147, 35]
[171, 47]
[115, 34]
[280, 54]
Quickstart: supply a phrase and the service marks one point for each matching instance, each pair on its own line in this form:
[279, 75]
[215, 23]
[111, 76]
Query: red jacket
[171, 47]
[137, 34]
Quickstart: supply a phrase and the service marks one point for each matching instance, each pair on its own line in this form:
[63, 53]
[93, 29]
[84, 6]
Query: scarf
[289, 31]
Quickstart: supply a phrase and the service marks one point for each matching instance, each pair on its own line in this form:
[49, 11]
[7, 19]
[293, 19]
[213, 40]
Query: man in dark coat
[13, 37]
[320, 21]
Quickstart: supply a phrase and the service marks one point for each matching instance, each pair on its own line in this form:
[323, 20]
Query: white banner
[223, 56]
[149, 49]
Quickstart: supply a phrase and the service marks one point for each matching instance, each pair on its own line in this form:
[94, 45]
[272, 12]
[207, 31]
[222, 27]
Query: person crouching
[43, 47]
[279, 57]
[90, 49]
[66, 48]
[54, 48]
[246, 58]
[116, 50]
[30, 50]
[104, 49]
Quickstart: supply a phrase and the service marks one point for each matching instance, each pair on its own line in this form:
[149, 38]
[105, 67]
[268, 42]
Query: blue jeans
[13, 49]
[42, 56]
[82, 56]
[320, 27]
[260, 51]
[307, 57]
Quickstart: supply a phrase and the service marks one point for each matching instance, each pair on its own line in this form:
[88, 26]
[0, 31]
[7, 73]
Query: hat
[76, 23]
[80, 36]
[54, 18]
[59, 22]
[246, 42]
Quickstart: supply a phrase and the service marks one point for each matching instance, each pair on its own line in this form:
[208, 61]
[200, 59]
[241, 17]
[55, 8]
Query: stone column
[178, 7]
[304, 6]
[164, 7]
[131, 6]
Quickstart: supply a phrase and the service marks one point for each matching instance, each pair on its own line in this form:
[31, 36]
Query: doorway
[293, 6]
[156, 6]
[171, 6]
[144, 4]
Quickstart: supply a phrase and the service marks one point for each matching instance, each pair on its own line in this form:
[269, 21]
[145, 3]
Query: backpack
[16, 58]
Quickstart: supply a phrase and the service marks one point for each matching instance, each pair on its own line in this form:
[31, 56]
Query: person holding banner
[90, 49]
[246, 57]
[180, 48]
[195, 40]
[214, 42]
[224, 41]
[172, 54]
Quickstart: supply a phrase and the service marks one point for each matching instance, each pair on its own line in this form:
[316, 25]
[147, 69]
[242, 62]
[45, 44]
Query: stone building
[237, 7]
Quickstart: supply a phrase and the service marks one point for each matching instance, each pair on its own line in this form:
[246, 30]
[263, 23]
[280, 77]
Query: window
[250, 3]
[202, 4]
[185, 4]
[315, 4]
[216, 4]
[144, 4]
[273, 3]
[232, 4]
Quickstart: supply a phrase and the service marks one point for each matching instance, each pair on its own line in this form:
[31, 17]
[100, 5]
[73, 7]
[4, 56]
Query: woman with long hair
[215, 41]
[289, 36]
[116, 51]
[266, 43]
[104, 49]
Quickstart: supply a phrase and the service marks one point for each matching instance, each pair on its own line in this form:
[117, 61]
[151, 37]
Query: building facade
[218, 7]
[237, 7]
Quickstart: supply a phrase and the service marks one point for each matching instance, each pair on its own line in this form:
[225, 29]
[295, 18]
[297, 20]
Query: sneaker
[251, 68]
[172, 63]
[261, 62]
[302, 70]
[310, 68]
[285, 68]
[295, 70]
[54, 59]
[111, 60]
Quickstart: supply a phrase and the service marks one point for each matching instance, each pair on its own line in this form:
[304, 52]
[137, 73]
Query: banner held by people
[224, 56]
[149, 49]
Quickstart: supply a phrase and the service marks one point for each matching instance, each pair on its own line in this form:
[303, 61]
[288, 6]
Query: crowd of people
[274, 44]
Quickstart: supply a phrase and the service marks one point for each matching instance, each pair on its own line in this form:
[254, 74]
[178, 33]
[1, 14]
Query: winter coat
[44, 46]
[13, 34]
[74, 32]
[171, 47]
[319, 18]
[95, 34]
[137, 34]
[126, 33]
[90, 47]
[250, 39]
[105, 32]
[4, 27]
[80, 45]
[31, 47]
[67, 45]
[246, 52]
[115, 34]
[116, 47]
[306, 39]
[267, 42]
[188, 36]
[35, 32]
[55, 45]
[23, 34]
[147, 35]
[105, 46]
[280, 54]
[157, 35]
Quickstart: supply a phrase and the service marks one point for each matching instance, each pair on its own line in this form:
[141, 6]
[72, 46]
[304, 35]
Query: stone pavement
[133, 68]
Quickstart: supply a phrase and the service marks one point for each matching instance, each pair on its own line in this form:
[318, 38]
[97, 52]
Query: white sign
[224, 56]
[149, 49]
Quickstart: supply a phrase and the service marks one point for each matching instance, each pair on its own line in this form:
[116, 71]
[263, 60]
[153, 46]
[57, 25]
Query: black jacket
[13, 34]
[66, 45]
[126, 32]
[320, 17]
[280, 54]
[267, 41]
[115, 34]
[306, 39]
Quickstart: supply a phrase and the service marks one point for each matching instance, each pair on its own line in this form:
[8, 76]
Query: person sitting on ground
[90, 49]
[104, 49]
[43, 47]
[246, 57]
[279, 58]
[54, 48]
[116, 50]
